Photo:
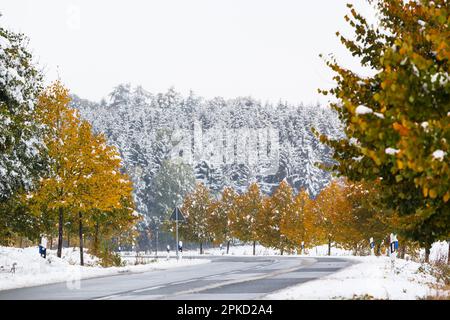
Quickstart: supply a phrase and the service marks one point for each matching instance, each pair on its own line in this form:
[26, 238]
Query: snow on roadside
[32, 270]
[247, 250]
[371, 277]
[243, 250]
[439, 251]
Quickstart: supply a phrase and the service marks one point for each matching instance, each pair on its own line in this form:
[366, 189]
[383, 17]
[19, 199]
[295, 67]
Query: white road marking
[108, 297]
[182, 282]
[147, 289]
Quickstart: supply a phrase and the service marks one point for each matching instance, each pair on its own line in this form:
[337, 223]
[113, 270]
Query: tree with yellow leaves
[245, 224]
[366, 218]
[396, 120]
[85, 180]
[57, 189]
[101, 187]
[278, 212]
[331, 210]
[197, 207]
[221, 220]
[298, 226]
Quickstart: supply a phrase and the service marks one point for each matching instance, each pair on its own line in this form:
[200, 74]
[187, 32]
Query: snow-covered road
[226, 277]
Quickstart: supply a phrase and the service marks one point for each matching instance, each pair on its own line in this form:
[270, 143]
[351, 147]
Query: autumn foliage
[85, 191]
[401, 139]
[344, 214]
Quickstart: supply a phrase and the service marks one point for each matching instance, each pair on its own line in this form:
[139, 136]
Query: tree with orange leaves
[299, 225]
[245, 221]
[331, 211]
[276, 216]
[396, 120]
[85, 184]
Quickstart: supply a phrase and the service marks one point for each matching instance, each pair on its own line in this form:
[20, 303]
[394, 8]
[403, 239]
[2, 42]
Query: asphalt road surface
[225, 278]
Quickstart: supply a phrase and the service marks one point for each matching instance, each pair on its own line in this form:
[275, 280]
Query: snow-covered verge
[32, 270]
[370, 278]
[247, 250]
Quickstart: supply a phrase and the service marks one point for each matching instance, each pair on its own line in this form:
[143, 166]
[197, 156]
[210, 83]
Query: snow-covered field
[32, 270]
[369, 278]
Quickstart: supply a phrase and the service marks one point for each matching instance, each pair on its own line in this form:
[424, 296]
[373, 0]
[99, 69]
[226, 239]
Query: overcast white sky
[264, 48]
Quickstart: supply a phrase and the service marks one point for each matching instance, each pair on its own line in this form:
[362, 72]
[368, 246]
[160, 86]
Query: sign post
[157, 242]
[372, 246]
[176, 216]
[180, 248]
[393, 248]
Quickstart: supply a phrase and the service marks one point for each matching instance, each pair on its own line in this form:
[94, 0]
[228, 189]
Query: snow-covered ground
[439, 251]
[32, 270]
[369, 278]
[246, 250]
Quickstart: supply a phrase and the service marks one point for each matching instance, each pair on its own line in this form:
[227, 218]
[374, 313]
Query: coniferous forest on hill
[168, 141]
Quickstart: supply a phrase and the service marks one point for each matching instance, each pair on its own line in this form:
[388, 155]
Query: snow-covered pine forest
[219, 142]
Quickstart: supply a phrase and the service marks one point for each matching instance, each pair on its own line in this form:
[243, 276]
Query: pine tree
[169, 186]
[149, 135]
[22, 152]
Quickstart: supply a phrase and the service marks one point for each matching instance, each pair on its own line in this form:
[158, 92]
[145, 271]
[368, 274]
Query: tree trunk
[96, 239]
[21, 242]
[80, 234]
[60, 232]
[427, 253]
[281, 251]
[51, 243]
[228, 246]
[201, 247]
[329, 246]
[378, 250]
[68, 239]
[402, 251]
[254, 248]
[448, 254]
